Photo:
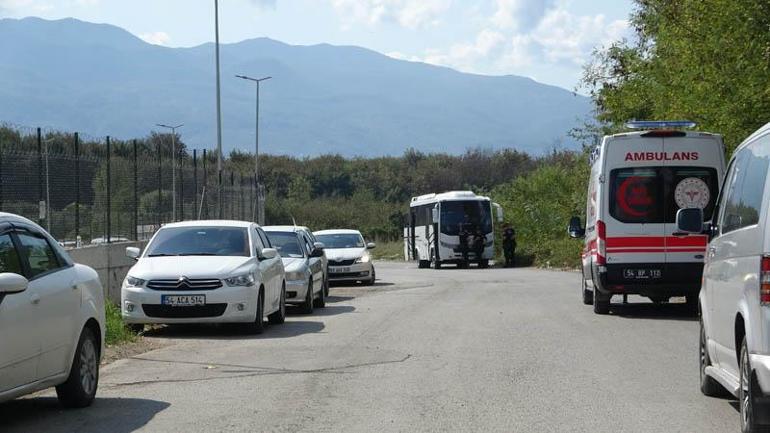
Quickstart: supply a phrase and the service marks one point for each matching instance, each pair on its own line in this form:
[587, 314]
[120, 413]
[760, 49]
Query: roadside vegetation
[117, 331]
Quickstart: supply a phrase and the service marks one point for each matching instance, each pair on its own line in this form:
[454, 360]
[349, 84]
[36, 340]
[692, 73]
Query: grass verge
[117, 332]
[389, 251]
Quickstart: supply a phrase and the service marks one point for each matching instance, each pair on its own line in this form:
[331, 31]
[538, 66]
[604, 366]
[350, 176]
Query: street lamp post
[219, 108]
[256, 135]
[173, 166]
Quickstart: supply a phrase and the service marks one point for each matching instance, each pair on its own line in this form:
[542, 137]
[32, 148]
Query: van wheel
[80, 388]
[279, 316]
[748, 395]
[423, 264]
[258, 325]
[708, 386]
[434, 262]
[601, 302]
[307, 305]
[320, 301]
[588, 295]
[483, 264]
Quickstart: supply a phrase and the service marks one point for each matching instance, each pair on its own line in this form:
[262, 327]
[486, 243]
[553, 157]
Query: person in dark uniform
[509, 245]
[464, 247]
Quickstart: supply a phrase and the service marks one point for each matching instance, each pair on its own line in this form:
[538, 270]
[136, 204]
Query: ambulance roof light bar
[662, 124]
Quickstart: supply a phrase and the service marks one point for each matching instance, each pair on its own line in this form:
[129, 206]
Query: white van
[639, 180]
[735, 297]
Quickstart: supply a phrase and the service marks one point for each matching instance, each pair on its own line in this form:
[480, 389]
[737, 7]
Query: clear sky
[547, 40]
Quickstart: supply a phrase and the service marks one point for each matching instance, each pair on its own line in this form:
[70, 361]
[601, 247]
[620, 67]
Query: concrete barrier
[110, 262]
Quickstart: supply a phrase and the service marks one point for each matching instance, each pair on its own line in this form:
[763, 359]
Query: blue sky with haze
[547, 40]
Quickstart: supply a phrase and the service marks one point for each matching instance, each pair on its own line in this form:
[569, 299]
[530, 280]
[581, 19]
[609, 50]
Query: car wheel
[258, 325]
[483, 264]
[748, 394]
[708, 386]
[80, 388]
[320, 301]
[307, 305]
[373, 279]
[423, 264]
[279, 316]
[601, 302]
[588, 295]
[326, 286]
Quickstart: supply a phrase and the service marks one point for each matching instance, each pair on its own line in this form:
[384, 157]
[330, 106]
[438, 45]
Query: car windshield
[468, 216]
[200, 241]
[286, 243]
[338, 241]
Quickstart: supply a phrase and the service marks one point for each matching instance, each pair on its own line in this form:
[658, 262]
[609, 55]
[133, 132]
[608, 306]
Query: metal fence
[95, 190]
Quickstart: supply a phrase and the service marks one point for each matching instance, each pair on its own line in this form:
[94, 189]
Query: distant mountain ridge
[102, 80]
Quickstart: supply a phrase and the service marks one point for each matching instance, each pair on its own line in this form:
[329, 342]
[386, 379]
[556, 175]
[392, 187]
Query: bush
[117, 332]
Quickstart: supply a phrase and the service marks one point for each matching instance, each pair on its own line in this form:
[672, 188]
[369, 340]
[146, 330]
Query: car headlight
[135, 282]
[244, 280]
[295, 276]
[363, 259]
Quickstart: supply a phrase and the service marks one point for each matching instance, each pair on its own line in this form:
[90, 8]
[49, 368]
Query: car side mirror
[133, 252]
[268, 253]
[575, 229]
[371, 246]
[318, 250]
[689, 221]
[11, 283]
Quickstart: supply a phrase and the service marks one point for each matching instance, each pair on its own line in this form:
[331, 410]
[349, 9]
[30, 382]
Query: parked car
[324, 259]
[735, 297]
[348, 254]
[303, 261]
[205, 272]
[52, 323]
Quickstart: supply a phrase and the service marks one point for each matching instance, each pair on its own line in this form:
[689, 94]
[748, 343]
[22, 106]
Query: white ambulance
[639, 180]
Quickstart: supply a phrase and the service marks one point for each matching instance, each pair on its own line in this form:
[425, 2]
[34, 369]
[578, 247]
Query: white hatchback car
[205, 272]
[735, 296]
[348, 255]
[52, 322]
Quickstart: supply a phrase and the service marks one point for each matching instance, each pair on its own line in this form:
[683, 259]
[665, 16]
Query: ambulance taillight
[601, 246]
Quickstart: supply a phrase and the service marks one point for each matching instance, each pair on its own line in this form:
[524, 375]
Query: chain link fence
[89, 190]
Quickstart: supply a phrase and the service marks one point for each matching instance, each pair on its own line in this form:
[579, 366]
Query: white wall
[110, 262]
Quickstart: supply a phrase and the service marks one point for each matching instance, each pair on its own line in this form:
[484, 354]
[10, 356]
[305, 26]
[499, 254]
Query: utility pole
[173, 166]
[219, 108]
[256, 140]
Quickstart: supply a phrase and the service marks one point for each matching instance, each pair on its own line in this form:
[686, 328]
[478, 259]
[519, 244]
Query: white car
[52, 322]
[348, 255]
[205, 272]
[303, 261]
[735, 296]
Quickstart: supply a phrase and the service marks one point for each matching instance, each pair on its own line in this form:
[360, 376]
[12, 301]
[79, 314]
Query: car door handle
[34, 299]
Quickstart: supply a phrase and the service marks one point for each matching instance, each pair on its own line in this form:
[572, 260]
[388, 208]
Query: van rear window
[653, 195]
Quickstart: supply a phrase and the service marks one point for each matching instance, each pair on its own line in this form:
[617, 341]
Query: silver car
[304, 261]
[349, 258]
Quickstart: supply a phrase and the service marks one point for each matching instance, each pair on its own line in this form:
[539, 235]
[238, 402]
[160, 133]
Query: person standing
[509, 245]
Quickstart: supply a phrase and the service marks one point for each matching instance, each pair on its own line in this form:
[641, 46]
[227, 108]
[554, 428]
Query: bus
[454, 227]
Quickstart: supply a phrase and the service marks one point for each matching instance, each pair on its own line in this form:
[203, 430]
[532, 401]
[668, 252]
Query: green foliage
[117, 332]
[703, 60]
[539, 205]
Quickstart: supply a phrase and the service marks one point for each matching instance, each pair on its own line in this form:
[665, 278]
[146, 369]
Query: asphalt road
[423, 350]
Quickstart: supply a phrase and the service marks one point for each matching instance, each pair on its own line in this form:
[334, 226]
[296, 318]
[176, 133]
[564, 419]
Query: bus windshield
[472, 216]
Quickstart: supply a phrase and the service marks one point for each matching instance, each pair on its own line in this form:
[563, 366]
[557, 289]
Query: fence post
[40, 172]
[77, 188]
[252, 203]
[136, 195]
[160, 184]
[109, 193]
[205, 188]
[240, 188]
[232, 194]
[195, 183]
[181, 188]
[1, 175]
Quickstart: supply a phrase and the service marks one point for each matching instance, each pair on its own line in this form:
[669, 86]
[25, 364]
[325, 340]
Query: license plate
[339, 269]
[183, 300]
[642, 274]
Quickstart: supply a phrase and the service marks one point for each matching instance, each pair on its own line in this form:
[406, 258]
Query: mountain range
[100, 80]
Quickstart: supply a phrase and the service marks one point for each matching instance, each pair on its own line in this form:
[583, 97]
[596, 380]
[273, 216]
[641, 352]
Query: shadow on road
[646, 310]
[45, 414]
[354, 284]
[234, 331]
[329, 310]
[333, 299]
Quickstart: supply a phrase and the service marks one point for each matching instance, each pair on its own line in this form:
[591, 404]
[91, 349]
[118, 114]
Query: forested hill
[77, 76]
